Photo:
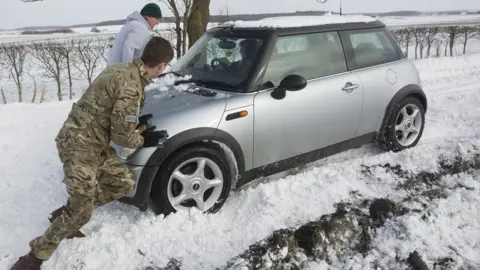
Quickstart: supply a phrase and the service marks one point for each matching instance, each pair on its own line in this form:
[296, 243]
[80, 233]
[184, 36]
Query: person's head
[248, 48]
[157, 54]
[152, 14]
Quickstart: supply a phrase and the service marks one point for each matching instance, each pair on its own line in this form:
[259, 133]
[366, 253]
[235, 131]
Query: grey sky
[15, 13]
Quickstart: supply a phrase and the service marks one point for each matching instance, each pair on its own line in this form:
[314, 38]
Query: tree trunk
[407, 44]
[416, 50]
[19, 88]
[178, 32]
[198, 20]
[184, 39]
[20, 94]
[42, 96]
[452, 42]
[429, 47]
[465, 42]
[70, 84]
[34, 93]
[59, 87]
[3, 96]
[421, 50]
[446, 47]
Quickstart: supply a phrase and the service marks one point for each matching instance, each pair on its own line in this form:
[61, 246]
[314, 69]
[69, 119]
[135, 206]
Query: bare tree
[419, 34]
[453, 32]
[191, 20]
[3, 96]
[89, 55]
[174, 8]
[430, 38]
[52, 61]
[104, 47]
[407, 37]
[69, 53]
[42, 96]
[35, 89]
[14, 61]
[467, 32]
[224, 14]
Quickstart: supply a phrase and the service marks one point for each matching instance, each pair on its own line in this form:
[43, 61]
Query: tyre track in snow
[121, 237]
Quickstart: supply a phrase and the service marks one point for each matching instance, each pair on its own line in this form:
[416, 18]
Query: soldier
[107, 111]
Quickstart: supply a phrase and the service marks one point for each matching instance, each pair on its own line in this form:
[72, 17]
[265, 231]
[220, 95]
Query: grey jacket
[131, 40]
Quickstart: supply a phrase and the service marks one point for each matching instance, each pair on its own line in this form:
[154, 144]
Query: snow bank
[121, 237]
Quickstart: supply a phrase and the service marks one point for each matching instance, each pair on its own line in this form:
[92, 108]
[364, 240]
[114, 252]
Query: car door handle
[349, 87]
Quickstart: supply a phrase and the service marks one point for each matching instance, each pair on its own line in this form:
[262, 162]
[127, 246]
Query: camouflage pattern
[94, 175]
[88, 186]
[108, 110]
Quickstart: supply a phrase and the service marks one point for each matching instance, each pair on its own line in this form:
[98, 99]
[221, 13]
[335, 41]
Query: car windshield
[226, 62]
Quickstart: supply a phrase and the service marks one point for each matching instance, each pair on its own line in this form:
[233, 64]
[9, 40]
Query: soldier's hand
[143, 120]
[152, 138]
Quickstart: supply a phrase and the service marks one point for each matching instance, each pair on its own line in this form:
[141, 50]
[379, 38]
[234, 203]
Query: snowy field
[34, 74]
[390, 21]
[120, 237]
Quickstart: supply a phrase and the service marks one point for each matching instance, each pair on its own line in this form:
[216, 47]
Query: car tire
[167, 188]
[404, 129]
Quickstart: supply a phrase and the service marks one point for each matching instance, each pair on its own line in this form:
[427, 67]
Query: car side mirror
[289, 83]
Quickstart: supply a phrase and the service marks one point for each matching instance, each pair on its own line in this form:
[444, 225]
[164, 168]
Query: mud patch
[343, 233]
[348, 232]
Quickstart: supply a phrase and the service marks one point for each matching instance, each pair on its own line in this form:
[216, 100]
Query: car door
[375, 58]
[324, 113]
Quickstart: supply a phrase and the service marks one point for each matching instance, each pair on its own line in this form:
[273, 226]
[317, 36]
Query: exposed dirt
[348, 231]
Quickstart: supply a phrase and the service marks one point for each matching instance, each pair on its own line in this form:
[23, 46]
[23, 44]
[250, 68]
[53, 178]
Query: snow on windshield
[164, 87]
[300, 21]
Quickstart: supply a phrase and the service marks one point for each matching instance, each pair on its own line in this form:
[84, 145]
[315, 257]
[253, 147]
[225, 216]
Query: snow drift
[121, 237]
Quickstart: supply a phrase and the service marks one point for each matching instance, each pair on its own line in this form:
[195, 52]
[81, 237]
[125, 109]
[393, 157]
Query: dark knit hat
[152, 10]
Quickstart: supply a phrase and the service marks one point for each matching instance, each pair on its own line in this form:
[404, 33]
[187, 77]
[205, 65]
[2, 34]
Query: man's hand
[143, 120]
[152, 138]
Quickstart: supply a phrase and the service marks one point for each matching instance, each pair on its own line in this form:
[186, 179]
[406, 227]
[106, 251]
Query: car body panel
[380, 84]
[319, 115]
[177, 112]
[240, 128]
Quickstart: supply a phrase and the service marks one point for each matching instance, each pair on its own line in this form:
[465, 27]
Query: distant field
[392, 22]
[99, 48]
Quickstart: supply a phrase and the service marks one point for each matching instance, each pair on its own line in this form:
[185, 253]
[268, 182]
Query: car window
[310, 55]
[370, 47]
[228, 59]
[291, 44]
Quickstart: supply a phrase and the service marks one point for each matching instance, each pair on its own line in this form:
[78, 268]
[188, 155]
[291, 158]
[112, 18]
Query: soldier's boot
[56, 214]
[27, 262]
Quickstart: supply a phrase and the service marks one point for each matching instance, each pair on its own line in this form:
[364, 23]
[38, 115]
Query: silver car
[264, 97]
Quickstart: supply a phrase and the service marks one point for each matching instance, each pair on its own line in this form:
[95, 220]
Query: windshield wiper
[170, 72]
[205, 82]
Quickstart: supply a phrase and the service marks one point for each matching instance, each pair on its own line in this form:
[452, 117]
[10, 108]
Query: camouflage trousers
[91, 181]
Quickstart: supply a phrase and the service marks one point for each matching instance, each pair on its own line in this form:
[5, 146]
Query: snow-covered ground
[120, 237]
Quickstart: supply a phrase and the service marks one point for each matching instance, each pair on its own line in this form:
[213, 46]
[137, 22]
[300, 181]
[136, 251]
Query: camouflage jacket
[107, 111]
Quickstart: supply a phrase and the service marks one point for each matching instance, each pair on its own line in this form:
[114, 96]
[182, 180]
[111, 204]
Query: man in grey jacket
[135, 34]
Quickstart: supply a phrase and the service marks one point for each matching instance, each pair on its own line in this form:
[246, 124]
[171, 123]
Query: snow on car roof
[300, 21]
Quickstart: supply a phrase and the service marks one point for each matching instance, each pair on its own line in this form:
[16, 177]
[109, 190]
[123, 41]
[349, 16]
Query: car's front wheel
[197, 176]
[405, 126]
